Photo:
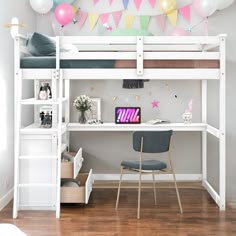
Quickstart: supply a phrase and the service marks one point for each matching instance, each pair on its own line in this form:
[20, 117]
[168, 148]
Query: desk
[219, 198]
[137, 127]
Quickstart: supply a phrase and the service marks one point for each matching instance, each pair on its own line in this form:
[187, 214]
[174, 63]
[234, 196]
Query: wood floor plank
[201, 215]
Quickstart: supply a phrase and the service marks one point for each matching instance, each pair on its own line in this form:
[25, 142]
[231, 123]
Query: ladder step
[37, 185]
[34, 101]
[37, 157]
[36, 129]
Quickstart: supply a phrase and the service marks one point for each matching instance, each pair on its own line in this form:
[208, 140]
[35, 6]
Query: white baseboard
[6, 199]
[161, 177]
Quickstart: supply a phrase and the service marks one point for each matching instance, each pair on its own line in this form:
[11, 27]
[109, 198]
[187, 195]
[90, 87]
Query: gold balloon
[167, 6]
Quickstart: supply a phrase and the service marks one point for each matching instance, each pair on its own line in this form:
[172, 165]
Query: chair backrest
[153, 141]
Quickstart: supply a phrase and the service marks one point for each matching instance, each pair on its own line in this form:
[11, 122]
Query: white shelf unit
[37, 150]
[138, 49]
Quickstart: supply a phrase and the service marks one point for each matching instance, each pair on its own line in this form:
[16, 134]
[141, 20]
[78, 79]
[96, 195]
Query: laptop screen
[127, 115]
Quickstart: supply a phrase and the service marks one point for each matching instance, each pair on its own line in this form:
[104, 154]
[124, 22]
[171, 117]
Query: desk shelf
[136, 127]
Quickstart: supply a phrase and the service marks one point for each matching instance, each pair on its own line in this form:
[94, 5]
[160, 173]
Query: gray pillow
[41, 45]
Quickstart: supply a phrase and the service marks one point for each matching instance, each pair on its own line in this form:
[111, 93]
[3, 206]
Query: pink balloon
[178, 32]
[64, 13]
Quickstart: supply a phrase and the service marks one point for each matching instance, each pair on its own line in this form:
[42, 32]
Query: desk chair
[149, 142]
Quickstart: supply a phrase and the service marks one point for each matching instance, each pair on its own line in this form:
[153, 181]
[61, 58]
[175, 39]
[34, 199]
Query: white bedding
[10, 230]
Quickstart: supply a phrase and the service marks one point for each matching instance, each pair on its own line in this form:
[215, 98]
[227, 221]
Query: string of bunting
[126, 2]
[129, 18]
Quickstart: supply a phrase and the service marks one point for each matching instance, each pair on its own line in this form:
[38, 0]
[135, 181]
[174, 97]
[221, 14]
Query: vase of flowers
[82, 104]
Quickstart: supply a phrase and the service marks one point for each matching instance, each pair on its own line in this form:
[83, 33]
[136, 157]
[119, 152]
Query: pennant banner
[137, 3]
[93, 18]
[111, 1]
[185, 12]
[161, 21]
[144, 22]
[125, 3]
[75, 9]
[82, 16]
[152, 3]
[116, 17]
[104, 17]
[172, 16]
[95, 2]
[129, 19]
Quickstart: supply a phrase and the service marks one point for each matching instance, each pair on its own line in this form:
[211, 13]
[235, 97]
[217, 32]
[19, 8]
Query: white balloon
[204, 8]
[41, 6]
[222, 4]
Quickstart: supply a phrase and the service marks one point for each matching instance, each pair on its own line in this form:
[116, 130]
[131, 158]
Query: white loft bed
[140, 49]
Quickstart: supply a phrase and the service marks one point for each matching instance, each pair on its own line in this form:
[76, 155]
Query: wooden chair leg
[176, 187]
[118, 192]
[154, 187]
[139, 195]
[177, 192]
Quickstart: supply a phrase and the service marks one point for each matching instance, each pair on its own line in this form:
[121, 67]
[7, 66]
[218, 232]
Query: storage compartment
[38, 144]
[78, 194]
[71, 167]
[37, 197]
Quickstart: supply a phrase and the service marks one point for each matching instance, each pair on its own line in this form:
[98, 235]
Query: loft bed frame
[207, 50]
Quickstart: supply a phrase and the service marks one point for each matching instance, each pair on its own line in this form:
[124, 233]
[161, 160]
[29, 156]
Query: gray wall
[27, 16]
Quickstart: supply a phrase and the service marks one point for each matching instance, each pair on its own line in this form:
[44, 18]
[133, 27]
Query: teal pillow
[131, 32]
[41, 45]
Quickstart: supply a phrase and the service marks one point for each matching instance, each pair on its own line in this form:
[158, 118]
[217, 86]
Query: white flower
[83, 103]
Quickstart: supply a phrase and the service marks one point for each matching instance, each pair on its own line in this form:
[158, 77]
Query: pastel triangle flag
[161, 21]
[137, 3]
[111, 1]
[172, 16]
[104, 17]
[95, 2]
[152, 3]
[185, 12]
[144, 21]
[129, 19]
[75, 9]
[125, 3]
[93, 18]
[82, 16]
[116, 17]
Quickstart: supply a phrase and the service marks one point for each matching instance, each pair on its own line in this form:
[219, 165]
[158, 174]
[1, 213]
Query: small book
[157, 121]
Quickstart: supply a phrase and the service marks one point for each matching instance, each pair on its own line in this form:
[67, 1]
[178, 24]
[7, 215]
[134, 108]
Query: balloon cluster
[63, 11]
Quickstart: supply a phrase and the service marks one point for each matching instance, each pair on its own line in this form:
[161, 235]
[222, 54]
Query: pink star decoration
[155, 103]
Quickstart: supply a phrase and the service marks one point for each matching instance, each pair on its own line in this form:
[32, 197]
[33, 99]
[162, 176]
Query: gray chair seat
[146, 164]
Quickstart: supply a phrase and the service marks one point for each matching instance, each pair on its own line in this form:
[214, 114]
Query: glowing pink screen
[128, 115]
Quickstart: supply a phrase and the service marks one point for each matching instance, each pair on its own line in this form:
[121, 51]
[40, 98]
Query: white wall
[9, 9]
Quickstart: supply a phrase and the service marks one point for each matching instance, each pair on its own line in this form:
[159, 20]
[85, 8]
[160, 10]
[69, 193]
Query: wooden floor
[201, 215]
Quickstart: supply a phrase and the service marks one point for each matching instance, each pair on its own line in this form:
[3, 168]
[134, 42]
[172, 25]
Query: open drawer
[71, 168]
[78, 194]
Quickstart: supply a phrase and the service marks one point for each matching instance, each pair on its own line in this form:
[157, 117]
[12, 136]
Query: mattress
[50, 62]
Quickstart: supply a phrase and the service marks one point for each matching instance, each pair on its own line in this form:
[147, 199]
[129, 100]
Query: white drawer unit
[80, 193]
[71, 168]
[37, 176]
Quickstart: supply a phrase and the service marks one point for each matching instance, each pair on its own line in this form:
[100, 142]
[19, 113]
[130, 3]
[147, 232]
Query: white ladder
[54, 134]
